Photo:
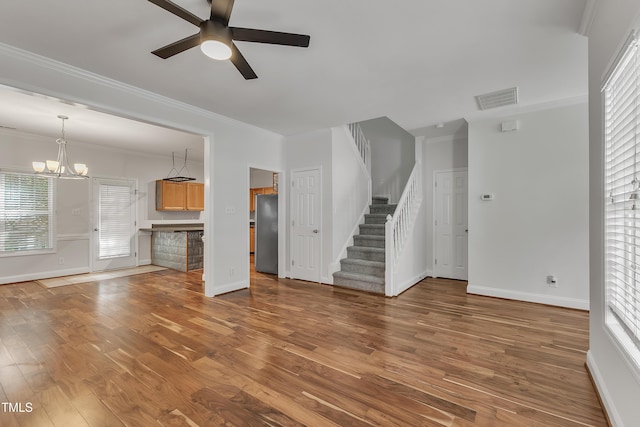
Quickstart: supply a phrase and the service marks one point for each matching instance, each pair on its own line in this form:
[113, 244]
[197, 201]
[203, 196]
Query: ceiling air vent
[497, 99]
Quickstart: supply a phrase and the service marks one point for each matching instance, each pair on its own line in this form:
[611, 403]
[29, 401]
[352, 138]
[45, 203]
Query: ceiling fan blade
[178, 11]
[177, 47]
[271, 37]
[221, 10]
[241, 64]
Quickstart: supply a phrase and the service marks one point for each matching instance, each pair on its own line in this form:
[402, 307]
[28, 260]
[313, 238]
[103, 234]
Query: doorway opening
[263, 220]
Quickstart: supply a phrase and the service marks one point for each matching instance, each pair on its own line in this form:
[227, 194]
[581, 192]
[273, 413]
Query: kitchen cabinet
[170, 196]
[253, 192]
[195, 196]
[179, 196]
[252, 239]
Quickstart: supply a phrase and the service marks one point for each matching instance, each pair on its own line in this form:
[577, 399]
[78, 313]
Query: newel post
[389, 255]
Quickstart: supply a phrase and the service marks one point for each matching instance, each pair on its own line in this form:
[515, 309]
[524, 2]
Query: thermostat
[486, 197]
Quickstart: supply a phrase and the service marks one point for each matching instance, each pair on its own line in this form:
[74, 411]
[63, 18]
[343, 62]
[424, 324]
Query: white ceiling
[418, 62]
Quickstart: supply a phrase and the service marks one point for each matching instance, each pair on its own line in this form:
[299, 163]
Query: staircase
[364, 266]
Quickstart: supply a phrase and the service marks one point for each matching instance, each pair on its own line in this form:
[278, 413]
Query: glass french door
[114, 224]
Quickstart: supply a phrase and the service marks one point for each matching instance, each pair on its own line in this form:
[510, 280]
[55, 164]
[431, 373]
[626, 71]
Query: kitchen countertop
[175, 227]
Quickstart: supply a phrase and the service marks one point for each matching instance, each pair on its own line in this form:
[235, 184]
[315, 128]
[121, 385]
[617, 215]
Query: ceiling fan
[216, 36]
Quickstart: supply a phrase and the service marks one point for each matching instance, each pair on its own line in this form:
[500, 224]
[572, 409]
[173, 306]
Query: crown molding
[97, 79]
[587, 18]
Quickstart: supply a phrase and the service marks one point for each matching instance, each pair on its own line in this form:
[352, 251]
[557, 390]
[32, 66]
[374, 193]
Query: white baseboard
[412, 281]
[529, 297]
[602, 390]
[43, 275]
[230, 287]
[144, 261]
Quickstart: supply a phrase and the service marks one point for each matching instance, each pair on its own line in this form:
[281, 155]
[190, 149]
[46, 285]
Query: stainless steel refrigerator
[266, 249]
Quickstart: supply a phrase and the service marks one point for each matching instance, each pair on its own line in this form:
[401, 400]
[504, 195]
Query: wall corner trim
[601, 390]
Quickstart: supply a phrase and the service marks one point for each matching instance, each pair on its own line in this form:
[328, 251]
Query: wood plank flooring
[151, 350]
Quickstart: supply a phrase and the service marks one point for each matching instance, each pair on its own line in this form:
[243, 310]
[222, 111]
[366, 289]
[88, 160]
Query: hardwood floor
[151, 350]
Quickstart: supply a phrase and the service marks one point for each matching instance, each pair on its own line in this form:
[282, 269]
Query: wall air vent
[497, 99]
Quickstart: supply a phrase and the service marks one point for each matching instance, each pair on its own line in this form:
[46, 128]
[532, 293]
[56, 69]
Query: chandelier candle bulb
[52, 165]
[61, 168]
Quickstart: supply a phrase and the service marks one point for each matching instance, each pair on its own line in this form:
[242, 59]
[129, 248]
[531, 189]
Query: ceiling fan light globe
[216, 50]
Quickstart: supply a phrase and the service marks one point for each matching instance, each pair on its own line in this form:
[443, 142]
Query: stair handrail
[362, 144]
[398, 226]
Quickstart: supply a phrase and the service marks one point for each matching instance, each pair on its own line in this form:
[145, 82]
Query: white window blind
[622, 204]
[114, 221]
[26, 213]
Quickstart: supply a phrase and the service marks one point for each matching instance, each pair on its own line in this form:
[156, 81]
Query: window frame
[52, 222]
[625, 341]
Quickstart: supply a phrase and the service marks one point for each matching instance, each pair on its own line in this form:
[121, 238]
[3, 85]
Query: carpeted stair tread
[364, 267]
[379, 218]
[360, 277]
[383, 209]
[367, 249]
[379, 200]
[370, 236]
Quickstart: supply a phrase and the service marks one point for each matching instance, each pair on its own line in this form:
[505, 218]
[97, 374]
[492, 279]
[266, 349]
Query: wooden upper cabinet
[179, 196]
[170, 196]
[195, 196]
[253, 192]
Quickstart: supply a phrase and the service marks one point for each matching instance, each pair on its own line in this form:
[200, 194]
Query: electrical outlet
[232, 271]
[75, 212]
[230, 210]
[552, 281]
[61, 260]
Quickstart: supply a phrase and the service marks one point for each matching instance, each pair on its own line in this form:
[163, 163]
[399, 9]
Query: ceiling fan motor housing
[214, 30]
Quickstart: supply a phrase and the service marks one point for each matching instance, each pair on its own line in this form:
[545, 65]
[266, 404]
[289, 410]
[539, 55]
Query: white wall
[73, 200]
[392, 156]
[443, 153]
[349, 192]
[311, 150]
[231, 147]
[616, 380]
[537, 225]
[232, 163]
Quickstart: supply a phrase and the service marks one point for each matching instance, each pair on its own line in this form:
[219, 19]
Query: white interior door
[114, 224]
[305, 225]
[451, 225]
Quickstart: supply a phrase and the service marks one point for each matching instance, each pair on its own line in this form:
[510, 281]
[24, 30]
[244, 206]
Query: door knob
[315, 231]
[95, 229]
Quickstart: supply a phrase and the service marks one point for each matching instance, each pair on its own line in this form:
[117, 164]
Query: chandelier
[61, 167]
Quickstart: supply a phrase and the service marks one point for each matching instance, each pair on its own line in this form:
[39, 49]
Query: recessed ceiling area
[418, 62]
[36, 114]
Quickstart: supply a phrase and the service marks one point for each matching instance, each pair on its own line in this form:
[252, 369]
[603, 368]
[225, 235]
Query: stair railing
[399, 226]
[362, 144]
[355, 216]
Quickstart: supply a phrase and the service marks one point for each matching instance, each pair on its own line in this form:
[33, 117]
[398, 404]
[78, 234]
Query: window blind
[26, 213]
[622, 192]
[114, 221]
